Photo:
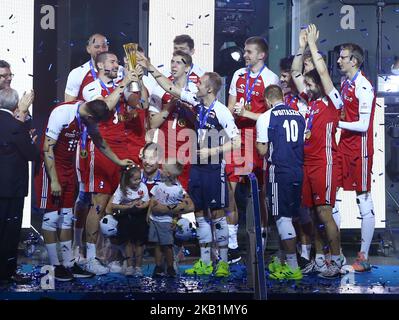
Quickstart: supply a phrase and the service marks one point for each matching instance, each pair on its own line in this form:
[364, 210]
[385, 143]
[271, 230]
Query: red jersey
[63, 126]
[113, 129]
[296, 102]
[358, 97]
[320, 145]
[241, 86]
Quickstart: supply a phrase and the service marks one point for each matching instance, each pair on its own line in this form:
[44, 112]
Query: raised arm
[297, 63]
[163, 81]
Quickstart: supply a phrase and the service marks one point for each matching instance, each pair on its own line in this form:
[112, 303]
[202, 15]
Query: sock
[77, 237]
[305, 252]
[223, 254]
[52, 253]
[91, 250]
[233, 228]
[291, 260]
[66, 251]
[336, 215]
[365, 204]
[206, 254]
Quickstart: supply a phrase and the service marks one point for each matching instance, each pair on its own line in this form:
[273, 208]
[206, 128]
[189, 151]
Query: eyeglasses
[6, 75]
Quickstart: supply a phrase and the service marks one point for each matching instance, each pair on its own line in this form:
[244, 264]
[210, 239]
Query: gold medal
[181, 122]
[121, 117]
[83, 153]
[248, 106]
[308, 134]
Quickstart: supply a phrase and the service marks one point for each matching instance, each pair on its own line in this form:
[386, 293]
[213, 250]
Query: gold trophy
[130, 51]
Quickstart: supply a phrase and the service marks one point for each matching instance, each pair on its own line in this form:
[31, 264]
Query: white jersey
[168, 196]
[77, 75]
[131, 195]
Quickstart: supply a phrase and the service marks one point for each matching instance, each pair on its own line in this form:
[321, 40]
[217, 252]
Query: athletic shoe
[200, 268]
[158, 272]
[361, 264]
[62, 274]
[332, 272]
[306, 266]
[115, 267]
[79, 272]
[320, 266]
[234, 255]
[171, 272]
[138, 272]
[129, 271]
[222, 269]
[95, 266]
[275, 265]
[287, 273]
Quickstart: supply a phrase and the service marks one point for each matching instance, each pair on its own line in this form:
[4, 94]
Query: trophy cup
[130, 51]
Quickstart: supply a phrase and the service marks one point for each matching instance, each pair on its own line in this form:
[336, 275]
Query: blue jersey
[283, 128]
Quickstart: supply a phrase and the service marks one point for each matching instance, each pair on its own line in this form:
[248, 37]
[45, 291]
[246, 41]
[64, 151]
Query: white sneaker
[333, 271]
[320, 266]
[129, 271]
[115, 267]
[79, 258]
[95, 266]
[138, 272]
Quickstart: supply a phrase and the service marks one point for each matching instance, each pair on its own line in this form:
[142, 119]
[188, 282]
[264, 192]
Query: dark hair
[314, 75]
[214, 81]
[188, 61]
[98, 109]
[4, 64]
[126, 175]
[101, 57]
[260, 42]
[273, 92]
[286, 63]
[184, 38]
[355, 52]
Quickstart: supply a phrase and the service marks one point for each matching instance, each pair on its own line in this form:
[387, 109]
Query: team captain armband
[336, 99]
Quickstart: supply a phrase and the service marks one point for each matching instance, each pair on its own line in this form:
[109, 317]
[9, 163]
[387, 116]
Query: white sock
[66, 251]
[77, 237]
[365, 204]
[291, 260]
[52, 254]
[91, 250]
[206, 254]
[223, 254]
[233, 229]
[320, 258]
[305, 252]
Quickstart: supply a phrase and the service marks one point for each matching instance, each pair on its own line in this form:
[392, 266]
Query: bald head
[96, 44]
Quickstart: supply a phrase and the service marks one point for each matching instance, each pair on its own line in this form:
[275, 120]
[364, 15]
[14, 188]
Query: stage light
[230, 58]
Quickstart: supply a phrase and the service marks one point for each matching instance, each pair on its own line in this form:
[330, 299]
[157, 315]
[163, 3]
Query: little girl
[129, 205]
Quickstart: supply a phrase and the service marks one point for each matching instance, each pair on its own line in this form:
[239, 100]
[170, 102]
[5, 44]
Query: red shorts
[319, 185]
[246, 160]
[68, 182]
[354, 172]
[99, 174]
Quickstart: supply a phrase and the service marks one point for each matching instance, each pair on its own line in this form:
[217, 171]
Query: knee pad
[221, 231]
[84, 198]
[204, 232]
[365, 204]
[65, 220]
[50, 220]
[304, 216]
[285, 228]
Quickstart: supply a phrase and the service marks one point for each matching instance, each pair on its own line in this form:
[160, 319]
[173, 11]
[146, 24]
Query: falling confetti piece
[319, 15]
[123, 34]
[207, 15]
[160, 66]
[10, 17]
[49, 67]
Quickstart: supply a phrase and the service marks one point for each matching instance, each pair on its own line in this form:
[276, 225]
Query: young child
[168, 192]
[129, 205]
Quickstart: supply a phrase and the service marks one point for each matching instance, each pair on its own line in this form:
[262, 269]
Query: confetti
[319, 15]
[49, 67]
[331, 14]
[362, 30]
[160, 66]
[10, 17]
[207, 15]
[123, 34]
[23, 60]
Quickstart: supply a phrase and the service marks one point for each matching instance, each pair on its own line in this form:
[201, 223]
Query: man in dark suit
[16, 149]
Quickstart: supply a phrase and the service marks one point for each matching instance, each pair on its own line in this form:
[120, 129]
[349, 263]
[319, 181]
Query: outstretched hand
[312, 33]
[303, 39]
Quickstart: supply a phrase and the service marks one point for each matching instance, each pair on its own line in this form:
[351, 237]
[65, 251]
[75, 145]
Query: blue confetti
[160, 66]
[49, 67]
[123, 34]
[324, 40]
[319, 15]
[364, 29]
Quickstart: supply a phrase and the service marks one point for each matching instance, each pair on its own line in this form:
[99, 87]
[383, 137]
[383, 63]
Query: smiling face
[344, 61]
[110, 66]
[150, 161]
[252, 55]
[135, 180]
[97, 44]
[312, 89]
[5, 78]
